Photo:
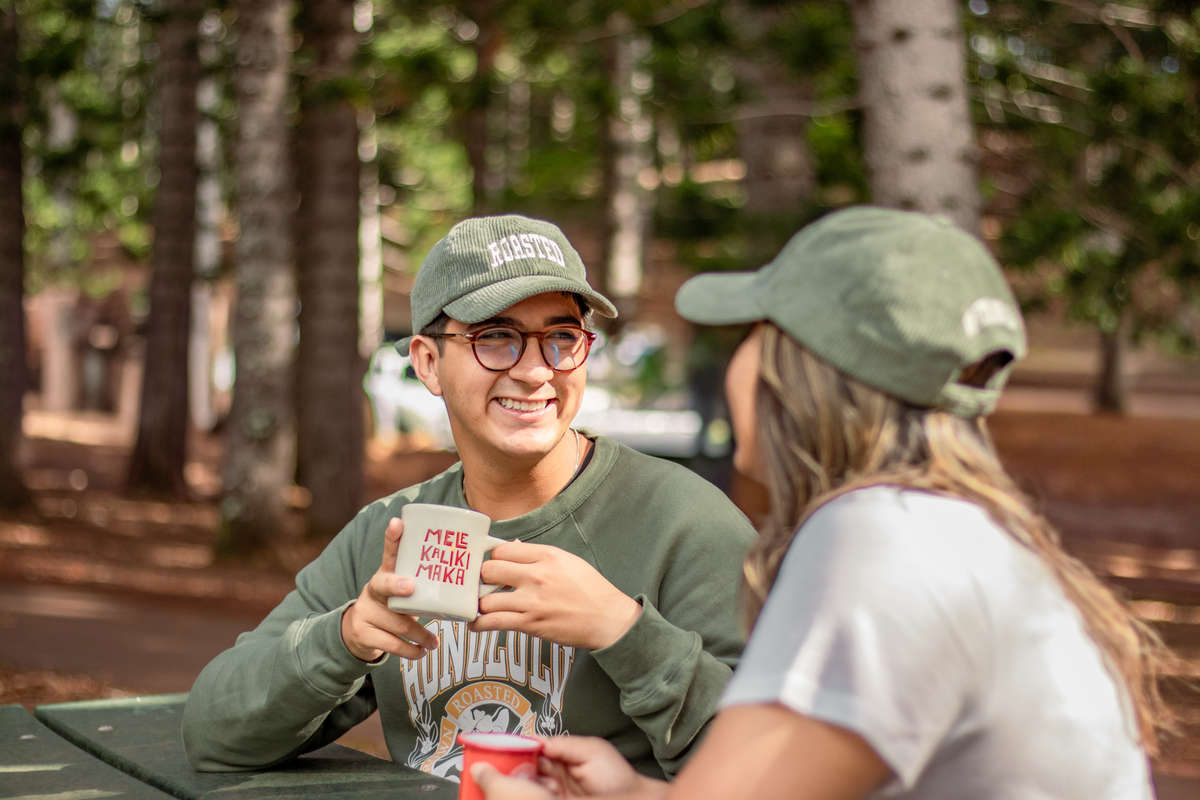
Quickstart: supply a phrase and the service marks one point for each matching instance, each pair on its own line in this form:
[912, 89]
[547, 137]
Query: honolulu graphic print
[494, 681]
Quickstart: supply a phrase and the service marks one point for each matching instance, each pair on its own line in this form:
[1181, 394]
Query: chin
[529, 443]
[748, 466]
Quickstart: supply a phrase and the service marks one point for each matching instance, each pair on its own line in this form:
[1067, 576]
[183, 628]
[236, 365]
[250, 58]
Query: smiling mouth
[522, 405]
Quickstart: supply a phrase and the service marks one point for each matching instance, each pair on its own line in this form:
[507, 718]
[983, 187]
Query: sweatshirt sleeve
[290, 685]
[672, 665]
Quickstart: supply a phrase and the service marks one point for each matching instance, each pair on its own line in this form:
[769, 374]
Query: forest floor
[107, 594]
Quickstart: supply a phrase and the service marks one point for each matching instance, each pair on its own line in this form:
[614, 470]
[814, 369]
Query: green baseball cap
[487, 264]
[899, 300]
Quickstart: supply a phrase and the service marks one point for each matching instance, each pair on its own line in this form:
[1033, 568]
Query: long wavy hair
[822, 434]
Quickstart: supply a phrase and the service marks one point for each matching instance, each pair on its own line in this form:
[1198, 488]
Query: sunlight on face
[521, 413]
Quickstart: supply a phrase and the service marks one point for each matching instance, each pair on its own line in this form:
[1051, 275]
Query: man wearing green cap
[622, 617]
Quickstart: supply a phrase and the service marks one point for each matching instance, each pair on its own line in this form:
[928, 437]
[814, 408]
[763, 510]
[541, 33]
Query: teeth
[517, 405]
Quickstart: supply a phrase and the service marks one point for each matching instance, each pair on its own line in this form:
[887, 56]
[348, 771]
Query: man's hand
[369, 627]
[555, 595]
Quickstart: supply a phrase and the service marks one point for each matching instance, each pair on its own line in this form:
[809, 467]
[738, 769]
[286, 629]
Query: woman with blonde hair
[917, 629]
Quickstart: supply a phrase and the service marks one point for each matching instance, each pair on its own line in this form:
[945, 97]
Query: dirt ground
[103, 594]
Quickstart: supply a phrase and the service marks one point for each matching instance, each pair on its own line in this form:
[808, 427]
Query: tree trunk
[627, 153]
[329, 370]
[210, 213]
[476, 110]
[260, 458]
[1111, 393]
[13, 494]
[161, 447]
[370, 244]
[61, 362]
[918, 140]
[518, 131]
[780, 181]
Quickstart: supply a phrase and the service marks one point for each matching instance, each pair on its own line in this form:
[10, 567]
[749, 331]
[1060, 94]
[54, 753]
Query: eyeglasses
[500, 348]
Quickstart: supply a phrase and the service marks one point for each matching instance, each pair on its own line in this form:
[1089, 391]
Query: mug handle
[488, 588]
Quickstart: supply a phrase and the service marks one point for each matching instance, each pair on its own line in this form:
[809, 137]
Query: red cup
[510, 753]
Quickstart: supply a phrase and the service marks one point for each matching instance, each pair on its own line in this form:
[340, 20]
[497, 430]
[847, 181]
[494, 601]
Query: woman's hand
[570, 766]
[587, 765]
[495, 785]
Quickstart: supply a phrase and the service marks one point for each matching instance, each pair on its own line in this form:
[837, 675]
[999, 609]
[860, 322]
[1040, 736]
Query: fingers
[575, 749]
[513, 561]
[499, 621]
[504, 573]
[368, 627]
[484, 775]
[385, 584]
[498, 786]
[520, 552]
[391, 544]
[553, 775]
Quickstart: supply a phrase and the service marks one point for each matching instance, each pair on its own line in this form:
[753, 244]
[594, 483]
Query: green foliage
[1088, 114]
[1099, 109]
[86, 148]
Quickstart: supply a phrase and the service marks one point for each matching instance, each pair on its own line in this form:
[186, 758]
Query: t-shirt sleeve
[869, 628]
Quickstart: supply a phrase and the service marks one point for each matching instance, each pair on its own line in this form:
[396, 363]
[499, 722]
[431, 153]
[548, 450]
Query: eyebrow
[565, 319]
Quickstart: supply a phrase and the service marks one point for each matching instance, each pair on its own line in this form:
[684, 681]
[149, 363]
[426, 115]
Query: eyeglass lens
[501, 348]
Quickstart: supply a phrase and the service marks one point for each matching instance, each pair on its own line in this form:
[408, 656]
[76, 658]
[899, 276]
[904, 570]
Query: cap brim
[402, 345]
[720, 298]
[490, 300]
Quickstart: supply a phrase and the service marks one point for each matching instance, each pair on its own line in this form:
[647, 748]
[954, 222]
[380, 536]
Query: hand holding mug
[369, 627]
[556, 595]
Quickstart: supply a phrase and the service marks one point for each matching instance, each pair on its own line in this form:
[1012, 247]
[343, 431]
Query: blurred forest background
[211, 212]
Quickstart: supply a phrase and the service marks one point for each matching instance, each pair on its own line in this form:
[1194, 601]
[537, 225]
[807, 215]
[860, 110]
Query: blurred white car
[400, 403]
[673, 434]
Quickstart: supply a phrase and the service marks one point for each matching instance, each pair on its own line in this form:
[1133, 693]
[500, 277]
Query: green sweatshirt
[656, 530]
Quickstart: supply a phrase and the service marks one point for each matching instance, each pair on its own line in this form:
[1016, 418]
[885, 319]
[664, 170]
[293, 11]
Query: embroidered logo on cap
[989, 312]
[519, 246]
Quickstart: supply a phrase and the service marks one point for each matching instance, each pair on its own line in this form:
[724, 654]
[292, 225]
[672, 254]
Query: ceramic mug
[510, 753]
[441, 550]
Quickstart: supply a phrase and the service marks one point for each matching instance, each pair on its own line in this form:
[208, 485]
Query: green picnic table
[138, 739]
[37, 762]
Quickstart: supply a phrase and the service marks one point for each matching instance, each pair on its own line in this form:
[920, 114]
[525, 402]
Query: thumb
[573, 750]
[483, 774]
[492, 783]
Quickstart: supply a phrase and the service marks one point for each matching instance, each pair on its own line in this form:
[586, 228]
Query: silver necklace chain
[578, 452]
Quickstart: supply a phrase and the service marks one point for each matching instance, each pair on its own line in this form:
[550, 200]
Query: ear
[423, 353]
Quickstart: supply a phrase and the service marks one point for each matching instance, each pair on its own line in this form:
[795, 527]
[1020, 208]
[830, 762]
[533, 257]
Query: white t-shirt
[915, 621]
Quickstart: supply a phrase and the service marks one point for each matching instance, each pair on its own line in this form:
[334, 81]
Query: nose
[532, 366]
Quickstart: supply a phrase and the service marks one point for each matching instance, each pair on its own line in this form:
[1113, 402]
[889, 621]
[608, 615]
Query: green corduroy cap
[899, 300]
[487, 264]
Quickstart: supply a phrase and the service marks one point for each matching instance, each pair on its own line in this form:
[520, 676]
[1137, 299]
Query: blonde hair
[822, 434]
